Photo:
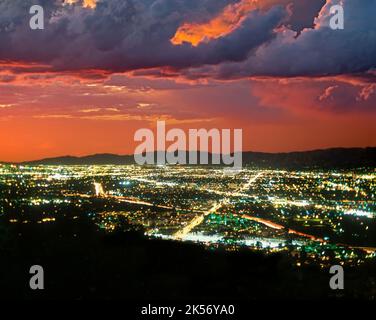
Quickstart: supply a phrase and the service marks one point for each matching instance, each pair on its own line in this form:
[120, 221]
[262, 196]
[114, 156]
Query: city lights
[311, 214]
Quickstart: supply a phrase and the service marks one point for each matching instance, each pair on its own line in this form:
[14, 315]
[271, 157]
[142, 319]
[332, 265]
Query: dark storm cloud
[121, 35]
[126, 35]
[304, 13]
[326, 51]
[316, 52]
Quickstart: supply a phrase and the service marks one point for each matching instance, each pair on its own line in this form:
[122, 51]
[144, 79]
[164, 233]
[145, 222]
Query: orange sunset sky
[100, 70]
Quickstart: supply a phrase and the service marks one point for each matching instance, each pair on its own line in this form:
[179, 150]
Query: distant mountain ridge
[326, 158]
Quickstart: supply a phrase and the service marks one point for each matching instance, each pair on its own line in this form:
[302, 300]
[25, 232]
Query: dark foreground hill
[329, 158]
[82, 263]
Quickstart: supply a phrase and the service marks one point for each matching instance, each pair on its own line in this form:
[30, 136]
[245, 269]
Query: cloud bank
[234, 38]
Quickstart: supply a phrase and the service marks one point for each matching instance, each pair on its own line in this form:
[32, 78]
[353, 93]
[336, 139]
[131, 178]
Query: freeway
[196, 221]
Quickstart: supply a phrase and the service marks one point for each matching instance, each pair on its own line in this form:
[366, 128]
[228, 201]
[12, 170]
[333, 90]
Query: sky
[102, 69]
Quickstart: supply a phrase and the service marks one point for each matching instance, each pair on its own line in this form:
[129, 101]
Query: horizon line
[130, 155]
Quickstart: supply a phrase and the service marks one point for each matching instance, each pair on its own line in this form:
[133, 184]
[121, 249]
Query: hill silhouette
[328, 158]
